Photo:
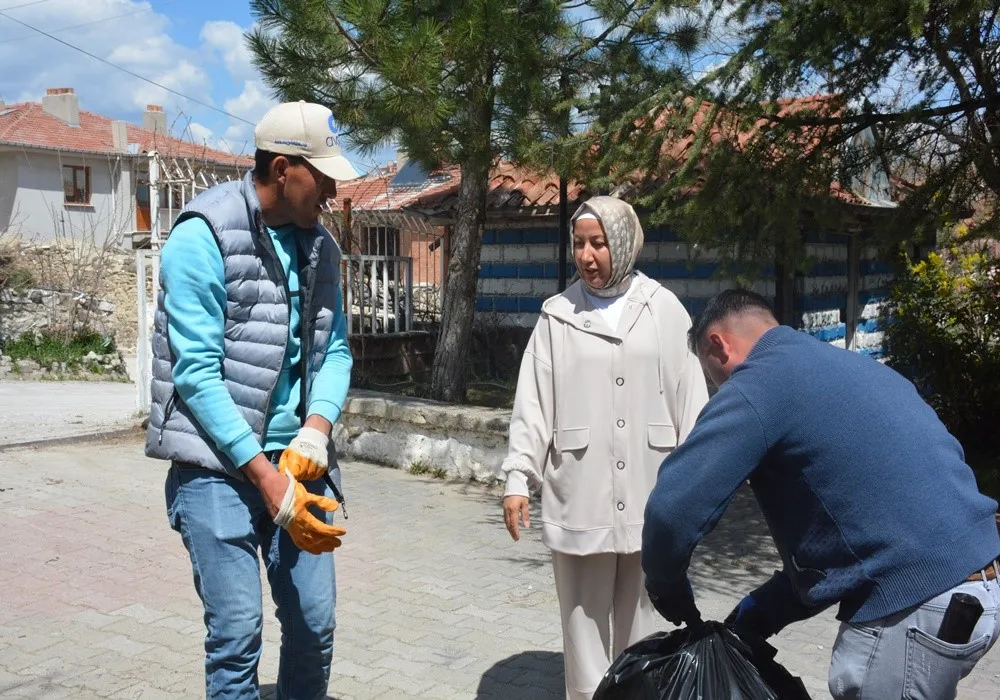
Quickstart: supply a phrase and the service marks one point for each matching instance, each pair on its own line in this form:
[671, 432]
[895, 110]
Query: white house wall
[40, 204]
[8, 190]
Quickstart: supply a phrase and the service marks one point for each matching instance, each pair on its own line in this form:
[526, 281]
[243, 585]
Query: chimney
[119, 136]
[61, 103]
[155, 120]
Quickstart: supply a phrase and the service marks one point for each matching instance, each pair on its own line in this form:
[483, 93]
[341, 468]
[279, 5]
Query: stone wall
[465, 442]
[43, 310]
[93, 367]
[90, 271]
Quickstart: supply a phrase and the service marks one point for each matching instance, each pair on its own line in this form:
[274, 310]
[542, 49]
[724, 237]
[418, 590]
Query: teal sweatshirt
[193, 276]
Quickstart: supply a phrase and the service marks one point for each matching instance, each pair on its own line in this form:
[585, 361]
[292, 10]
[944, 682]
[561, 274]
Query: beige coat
[597, 410]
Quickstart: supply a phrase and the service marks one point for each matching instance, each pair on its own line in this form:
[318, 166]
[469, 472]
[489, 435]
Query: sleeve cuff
[326, 409]
[517, 484]
[243, 449]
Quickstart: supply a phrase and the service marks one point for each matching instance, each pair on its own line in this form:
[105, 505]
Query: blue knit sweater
[866, 493]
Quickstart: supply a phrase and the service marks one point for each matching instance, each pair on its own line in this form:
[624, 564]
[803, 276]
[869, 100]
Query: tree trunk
[451, 357]
[784, 295]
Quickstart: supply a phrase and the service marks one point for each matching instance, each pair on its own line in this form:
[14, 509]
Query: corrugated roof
[27, 125]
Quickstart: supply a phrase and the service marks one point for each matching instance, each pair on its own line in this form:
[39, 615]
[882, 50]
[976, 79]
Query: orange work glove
[305, 458]
[309, 533]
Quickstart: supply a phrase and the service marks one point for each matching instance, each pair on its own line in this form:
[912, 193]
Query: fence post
[385, 296]
[409, 295]
[350, 295]
[373, 299]
[143, 361]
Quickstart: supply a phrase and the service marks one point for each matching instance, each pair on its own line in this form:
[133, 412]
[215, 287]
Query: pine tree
[907, 86]
[450, 81]
[463, 82]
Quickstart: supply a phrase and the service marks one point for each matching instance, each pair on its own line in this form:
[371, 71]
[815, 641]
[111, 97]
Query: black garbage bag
[706, 661]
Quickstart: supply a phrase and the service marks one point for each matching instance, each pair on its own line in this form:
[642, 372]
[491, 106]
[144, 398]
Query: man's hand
[272, 484]
[288, 504]
[305, 458]
[748, 618]
[514, 507]
[308, 532]
[675, 602]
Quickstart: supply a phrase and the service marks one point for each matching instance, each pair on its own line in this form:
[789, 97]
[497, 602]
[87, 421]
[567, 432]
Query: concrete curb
[461, 441]
[83, 438]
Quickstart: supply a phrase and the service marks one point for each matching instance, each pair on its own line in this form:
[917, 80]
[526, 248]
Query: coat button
[621, 422]
[621, 506]
[621, 464]
[586, 324]
[619, 381]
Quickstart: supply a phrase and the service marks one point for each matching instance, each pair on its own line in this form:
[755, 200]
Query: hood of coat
[573, 307]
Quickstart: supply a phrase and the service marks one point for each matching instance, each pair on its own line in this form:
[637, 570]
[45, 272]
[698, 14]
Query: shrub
[943, 332]
[47, 348]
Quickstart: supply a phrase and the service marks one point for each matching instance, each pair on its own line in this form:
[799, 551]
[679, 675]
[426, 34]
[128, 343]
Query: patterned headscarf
[624, 233]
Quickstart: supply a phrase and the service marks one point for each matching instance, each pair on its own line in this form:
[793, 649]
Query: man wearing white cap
[251, 367]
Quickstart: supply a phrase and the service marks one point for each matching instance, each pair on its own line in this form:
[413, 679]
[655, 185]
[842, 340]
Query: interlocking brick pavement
[435, 601]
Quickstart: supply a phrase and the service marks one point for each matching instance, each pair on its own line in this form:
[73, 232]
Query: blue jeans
[223, 523]
[901, 657]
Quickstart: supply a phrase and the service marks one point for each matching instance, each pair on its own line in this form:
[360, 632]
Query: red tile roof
[519, 190]
[512, 190]
[26, 124]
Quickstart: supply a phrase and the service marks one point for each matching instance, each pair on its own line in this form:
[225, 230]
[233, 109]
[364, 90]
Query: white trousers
[604, 606]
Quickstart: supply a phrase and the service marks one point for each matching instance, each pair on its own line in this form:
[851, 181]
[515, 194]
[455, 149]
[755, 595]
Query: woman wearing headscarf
[607, 388]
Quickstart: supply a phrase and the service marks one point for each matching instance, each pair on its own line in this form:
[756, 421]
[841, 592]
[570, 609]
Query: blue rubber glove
[674, 601]
[770, 608]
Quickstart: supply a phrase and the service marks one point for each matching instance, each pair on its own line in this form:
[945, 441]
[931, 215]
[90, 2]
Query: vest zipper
[268, 245]
[166, 415]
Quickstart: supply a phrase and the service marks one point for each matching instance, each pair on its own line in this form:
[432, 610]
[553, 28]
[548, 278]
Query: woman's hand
[514, 507]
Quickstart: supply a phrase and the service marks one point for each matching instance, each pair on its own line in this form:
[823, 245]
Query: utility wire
[27, 4]
[125, 70]
[87, 24]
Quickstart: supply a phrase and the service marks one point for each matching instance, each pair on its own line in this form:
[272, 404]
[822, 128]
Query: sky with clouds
[194, 47]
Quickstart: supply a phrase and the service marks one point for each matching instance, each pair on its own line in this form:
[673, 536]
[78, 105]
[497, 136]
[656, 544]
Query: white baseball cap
[307, 130]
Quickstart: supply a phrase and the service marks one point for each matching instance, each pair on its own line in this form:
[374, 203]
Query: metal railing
[378, 294]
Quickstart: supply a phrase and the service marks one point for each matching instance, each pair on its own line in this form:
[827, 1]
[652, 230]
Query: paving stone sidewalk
[435, 601]
[47, 410]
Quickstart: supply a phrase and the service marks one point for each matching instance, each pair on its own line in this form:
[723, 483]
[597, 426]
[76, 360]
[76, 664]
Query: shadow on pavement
[530, 675]
[734, 559]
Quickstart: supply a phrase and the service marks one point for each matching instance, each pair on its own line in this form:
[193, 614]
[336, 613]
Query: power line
[125, 70]
[27, 4]
[87, 24]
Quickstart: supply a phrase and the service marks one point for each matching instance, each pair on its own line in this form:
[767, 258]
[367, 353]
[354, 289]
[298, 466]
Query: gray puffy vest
[256, 325]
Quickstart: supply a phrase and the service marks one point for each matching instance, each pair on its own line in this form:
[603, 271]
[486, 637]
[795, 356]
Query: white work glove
[305, 458]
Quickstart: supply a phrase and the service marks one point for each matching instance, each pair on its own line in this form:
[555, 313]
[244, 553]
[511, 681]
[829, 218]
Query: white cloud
[249, 105]
[128, 33]
[225, 38]
[252, 103]
[199, 133]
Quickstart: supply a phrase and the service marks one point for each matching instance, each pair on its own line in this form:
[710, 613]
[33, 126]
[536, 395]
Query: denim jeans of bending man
[901, 657]
[224, 524]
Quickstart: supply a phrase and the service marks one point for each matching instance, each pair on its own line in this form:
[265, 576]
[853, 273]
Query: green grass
[419, 468]
[48, 349]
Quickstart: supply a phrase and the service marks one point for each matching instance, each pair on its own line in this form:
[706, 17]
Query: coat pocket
[661, 436]
[572, 439]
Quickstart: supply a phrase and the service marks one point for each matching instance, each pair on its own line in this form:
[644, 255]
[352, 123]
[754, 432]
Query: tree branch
[867, 119]
[351, 40]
